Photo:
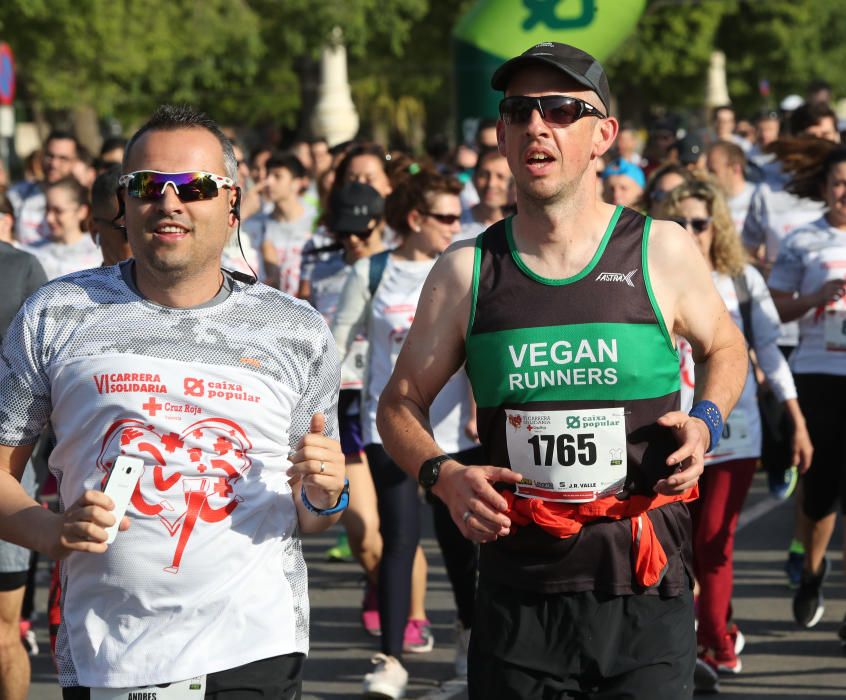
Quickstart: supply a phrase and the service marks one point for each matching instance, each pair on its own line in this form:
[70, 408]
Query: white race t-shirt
[739, 206]
[773, 214]
[210, 574]
[30, 205]
[810, 256]
[327, 273]
[59, 259]
[250, 262]
[288, 239]
[392, 310]
[741, 437]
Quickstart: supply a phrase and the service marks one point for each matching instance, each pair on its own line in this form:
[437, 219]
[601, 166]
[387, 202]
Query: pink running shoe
[418, 638]
[370, 611]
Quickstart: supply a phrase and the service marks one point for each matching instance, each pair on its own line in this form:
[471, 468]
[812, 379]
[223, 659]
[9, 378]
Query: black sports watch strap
[430, 470]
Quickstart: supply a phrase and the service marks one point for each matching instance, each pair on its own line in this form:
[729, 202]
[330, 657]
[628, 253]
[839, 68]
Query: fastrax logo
[616, 277]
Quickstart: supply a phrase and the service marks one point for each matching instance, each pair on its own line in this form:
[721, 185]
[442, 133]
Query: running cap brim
[579, 65]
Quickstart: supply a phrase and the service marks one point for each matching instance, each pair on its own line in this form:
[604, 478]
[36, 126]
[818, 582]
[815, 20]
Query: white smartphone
[119, 487]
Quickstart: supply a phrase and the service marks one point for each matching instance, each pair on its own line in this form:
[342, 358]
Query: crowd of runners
[575, 338]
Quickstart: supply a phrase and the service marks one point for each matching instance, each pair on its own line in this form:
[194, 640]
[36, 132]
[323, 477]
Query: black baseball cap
[580, 66]
[353, 207]
[690, 149]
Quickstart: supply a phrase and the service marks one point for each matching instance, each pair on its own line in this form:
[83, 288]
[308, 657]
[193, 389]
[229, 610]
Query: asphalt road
[780, 660]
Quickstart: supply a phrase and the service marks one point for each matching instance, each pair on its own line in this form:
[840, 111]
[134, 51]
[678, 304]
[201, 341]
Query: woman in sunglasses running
[382, 293]
[701, 209]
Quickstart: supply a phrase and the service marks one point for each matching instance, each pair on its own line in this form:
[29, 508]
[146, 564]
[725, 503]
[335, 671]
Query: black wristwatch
[430, 470]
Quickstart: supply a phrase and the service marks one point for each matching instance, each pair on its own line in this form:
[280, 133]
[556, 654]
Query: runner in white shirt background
[424, 209]
[227, 393]
[355, 217]
[281, 233]
[61, 151]
[773, 213]
[69, 247]
[727, 163]
[701, 208]
[808, 282]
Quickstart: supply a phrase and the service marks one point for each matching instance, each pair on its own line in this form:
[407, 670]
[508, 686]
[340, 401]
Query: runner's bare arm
[792, 306]
[80, 528]
[432, 353]
[693, 309]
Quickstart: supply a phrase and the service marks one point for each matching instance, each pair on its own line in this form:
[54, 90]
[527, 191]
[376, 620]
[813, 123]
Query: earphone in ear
[236, 208]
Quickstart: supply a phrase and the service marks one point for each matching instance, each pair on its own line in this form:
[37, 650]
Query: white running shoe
[462, 644]
[388, 679]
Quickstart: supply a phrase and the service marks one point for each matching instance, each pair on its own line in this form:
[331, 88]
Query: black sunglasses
[558, 110]
[698, 225]
[448, 219]
[363, 235]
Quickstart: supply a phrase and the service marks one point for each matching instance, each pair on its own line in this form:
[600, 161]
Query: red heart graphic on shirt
[217, 450]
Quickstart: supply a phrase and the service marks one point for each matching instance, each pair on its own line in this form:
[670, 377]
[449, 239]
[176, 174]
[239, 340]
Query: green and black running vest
[612, 350]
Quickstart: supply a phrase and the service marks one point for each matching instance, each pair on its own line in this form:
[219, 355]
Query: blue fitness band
[707, 411]
[343, 501]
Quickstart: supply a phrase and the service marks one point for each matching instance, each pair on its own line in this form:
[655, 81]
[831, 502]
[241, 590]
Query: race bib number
[568, 456]
[735, 438]
[352, 369]
[192, 689]
[835, 330]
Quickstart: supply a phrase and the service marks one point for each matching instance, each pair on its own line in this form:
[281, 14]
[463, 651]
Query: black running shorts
[540, 646]
[823, 401]
[276, 678]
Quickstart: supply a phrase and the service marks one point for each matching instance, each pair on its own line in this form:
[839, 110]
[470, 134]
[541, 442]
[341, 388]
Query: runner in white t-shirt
[69, 248]
[61, 152]
[808, 282]
[226, 391]
[701, 208]
[356, 217]
[425, 210]
[281, 233]
[727, 163]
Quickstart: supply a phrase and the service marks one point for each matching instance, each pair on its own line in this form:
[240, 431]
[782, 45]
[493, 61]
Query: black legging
[461, 556]
[399, 524]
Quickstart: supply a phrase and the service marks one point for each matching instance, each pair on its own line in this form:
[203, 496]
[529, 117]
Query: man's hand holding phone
[92, 522]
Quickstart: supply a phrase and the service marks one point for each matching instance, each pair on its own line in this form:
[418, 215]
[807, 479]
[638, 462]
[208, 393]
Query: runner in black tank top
[566, 316]
[593, 336]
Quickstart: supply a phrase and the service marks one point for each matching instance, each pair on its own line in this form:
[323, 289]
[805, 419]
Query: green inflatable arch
[495, 30]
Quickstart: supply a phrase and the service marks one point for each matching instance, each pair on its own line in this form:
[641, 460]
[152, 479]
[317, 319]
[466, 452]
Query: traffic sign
[7, 75]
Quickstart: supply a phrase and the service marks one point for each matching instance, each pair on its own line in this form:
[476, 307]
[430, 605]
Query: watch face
[429, 472]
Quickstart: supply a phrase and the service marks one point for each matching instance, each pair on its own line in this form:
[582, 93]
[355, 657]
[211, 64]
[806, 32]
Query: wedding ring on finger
[322, 467]
[467, 514]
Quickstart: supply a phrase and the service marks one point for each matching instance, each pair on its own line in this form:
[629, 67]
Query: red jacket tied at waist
[566, 519]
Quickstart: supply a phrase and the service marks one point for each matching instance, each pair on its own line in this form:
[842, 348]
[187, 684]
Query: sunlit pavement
[779, 660]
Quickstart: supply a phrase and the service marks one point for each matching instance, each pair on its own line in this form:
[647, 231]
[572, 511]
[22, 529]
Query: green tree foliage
[786, 42]
[236, 58]
[380, 81]
[665, 61]
[294, 31]
[250, 61]
[123, 58]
